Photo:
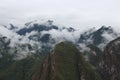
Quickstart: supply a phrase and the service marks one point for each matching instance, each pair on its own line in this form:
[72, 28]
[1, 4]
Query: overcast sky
[78, 13]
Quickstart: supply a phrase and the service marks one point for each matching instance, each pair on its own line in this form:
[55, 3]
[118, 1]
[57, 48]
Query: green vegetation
[21, 69]
[66, 68]
[71, 64]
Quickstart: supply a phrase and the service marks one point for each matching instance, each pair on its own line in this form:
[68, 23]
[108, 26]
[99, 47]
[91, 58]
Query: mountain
[99, 37]
[65, 62]
[45, 51]
[43, 36]
[47, 35]
[110, 64]
[35, 26]
[106, 62]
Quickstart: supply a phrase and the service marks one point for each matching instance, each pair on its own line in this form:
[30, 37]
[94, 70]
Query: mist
[76, 13]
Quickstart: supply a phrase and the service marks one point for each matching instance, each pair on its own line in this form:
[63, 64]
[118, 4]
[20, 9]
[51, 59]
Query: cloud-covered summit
[42, 36]
[46, 33]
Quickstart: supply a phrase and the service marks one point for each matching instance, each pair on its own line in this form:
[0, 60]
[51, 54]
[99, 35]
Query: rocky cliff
[111, 61]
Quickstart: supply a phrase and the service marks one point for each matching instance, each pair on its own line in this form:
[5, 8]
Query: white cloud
[63, 35]
[5, 32]
[83, 47]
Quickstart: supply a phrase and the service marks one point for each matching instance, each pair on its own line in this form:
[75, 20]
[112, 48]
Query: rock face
[111, 61]
[66, 63]
[99, 36]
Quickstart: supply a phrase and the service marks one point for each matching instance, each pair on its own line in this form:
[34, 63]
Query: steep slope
[66, 63]
[111, 61]
[94, 55]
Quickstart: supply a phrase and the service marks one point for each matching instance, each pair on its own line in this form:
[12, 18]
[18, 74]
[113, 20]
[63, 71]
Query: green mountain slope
[66, 63]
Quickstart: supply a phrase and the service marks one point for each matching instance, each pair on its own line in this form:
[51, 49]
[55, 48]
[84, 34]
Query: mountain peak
[39, 22]
[99, 37]
[65, 62]
[103, 29]
[37, 26]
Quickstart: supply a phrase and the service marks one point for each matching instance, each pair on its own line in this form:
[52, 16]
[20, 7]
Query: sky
[78, 13]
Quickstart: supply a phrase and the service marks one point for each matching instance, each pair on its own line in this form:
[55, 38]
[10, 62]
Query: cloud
[63, 35]
[107, 38]
[83, 47]
[77, 13]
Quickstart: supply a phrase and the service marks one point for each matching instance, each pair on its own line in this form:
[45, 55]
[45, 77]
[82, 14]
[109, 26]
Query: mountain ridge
[44, 37]
[65, 61]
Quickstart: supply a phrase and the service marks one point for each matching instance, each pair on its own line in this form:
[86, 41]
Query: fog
[76, 13]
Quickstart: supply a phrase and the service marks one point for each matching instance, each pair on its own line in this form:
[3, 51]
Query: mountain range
[44, 51]
[45, 35]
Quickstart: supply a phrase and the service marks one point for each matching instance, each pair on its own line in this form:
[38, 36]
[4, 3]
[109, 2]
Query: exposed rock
[111, 61]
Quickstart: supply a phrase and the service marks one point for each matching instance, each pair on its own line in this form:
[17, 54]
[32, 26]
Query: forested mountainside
[64, 62]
